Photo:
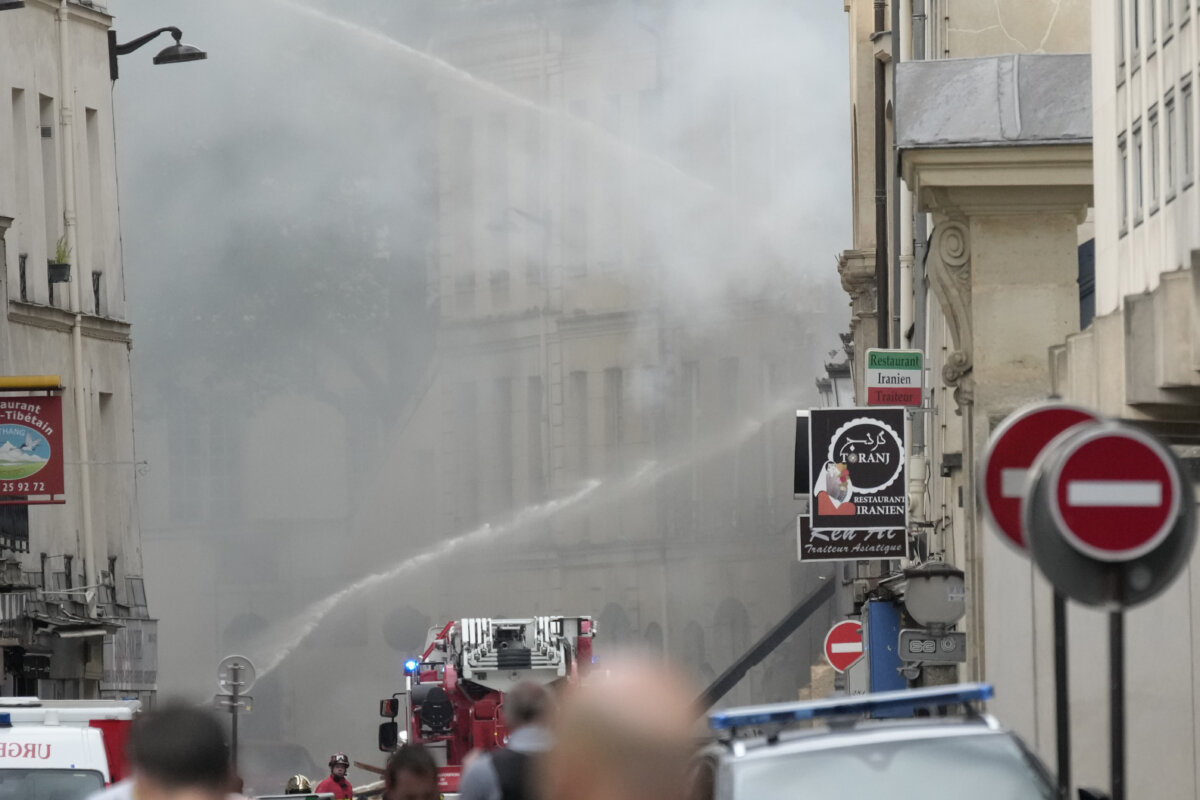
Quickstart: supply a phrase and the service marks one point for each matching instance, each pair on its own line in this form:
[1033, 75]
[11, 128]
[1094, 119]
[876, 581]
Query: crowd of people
[627, 736]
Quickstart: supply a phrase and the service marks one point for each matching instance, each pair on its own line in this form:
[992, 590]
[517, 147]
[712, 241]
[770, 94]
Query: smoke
[297, 211]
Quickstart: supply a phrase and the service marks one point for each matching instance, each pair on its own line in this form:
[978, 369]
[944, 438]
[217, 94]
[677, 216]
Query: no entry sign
[1013, 448]
[1115, 494]
[844, 644]
[1109, 516]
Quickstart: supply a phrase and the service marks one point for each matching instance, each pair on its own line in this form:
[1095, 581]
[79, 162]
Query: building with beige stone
[1006, 150]
[75, 620]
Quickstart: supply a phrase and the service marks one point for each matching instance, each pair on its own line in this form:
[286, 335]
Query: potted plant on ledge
[58, 270]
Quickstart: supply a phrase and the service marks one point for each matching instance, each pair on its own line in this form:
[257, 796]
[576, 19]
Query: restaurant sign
[31, 451]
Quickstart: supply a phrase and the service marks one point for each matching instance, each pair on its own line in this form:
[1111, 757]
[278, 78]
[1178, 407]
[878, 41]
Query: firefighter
[298, 784]
[336, 784]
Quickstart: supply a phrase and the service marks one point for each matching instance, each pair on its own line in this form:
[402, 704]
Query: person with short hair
[336, 784]
[176, 752]
[411, 774]
[505, 774]
[624, 735]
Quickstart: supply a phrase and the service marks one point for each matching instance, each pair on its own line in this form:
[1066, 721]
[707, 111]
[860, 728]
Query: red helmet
[339, 758]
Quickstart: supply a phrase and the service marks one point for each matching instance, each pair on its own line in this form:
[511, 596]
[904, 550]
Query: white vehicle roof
[31, 710]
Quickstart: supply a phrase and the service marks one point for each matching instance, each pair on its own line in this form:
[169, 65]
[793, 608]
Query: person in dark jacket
[504, 774]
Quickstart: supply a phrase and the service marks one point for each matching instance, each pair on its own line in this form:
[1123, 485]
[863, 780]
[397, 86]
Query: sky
[277, 202]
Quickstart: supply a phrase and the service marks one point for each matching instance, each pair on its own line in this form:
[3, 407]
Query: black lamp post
[174, 54]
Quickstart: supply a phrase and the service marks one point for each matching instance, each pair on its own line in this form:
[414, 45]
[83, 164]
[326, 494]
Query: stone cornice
[56, 319]
[1001, 180]
[96, 16]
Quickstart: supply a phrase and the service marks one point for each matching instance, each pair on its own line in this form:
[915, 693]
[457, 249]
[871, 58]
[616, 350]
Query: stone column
[1003, 264]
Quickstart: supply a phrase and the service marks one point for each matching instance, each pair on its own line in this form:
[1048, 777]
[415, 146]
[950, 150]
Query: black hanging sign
[857, 465]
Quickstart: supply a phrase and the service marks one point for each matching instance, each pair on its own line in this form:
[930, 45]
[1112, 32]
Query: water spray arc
[582, 128]
[643, 477]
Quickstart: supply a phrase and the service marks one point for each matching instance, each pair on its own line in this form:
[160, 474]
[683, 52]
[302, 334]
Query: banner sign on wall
[857, 465]
[849, 545]
[31, 452]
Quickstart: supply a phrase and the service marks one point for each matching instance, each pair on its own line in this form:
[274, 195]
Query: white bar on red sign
[1012, 482]
[1100, 494]
[845, 647]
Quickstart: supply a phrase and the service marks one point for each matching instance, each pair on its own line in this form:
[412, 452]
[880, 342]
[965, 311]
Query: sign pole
[235, 683]
[1062, 697]
[1116, 672]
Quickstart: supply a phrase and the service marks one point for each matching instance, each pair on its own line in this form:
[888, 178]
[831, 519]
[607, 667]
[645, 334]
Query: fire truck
[453, 701]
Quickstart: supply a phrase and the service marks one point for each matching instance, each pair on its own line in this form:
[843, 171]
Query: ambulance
[62, 749]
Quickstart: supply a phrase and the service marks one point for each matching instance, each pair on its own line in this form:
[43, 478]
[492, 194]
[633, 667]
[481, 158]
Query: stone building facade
[70, 628]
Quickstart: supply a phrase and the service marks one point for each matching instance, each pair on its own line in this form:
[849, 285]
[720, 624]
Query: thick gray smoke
[312, 369]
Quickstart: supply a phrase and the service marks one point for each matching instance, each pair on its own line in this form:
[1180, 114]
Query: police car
[762, 754]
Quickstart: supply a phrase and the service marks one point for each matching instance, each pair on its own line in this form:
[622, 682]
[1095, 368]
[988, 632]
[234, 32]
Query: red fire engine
[454, 696]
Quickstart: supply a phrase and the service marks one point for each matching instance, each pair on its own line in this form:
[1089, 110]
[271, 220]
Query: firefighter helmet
[339, 758]
[298, 784]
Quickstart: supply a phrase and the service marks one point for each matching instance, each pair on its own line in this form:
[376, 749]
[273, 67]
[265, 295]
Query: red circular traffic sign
[1114, 494]
[844, 644]
[1014, 446]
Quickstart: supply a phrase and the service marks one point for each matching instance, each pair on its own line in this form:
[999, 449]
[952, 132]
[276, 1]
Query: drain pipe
[902, 210]
[882, 304]
[920, 234]
[67, 145]
[901, 199]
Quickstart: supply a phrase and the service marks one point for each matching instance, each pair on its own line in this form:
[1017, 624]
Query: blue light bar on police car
[411, 665]
[856, 705]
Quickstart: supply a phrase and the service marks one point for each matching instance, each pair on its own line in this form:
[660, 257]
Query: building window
[1120, 40]
[497, 188]
[1168, 20]
[1171, 148]
[460, 186]
[96, 294]
[136, 592]
[1135, 33]
[576, 246]
[204, 452]
[1154, 159]
[614, 416]
[504, 444]
[1185, 111]
[578, 410]
[533, 425]
[1123, 182]
[1152, 24]
[1138, 182]
[1185, 9]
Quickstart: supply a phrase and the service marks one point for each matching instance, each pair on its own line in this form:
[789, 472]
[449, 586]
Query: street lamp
[174, 54]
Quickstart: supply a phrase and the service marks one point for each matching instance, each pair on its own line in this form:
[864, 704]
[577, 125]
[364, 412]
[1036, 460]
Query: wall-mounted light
[175, 54]
[935, 595]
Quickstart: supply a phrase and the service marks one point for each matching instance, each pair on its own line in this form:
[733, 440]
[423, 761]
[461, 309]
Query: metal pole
[235, 684]
[1062, 698]
[1116, 673]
